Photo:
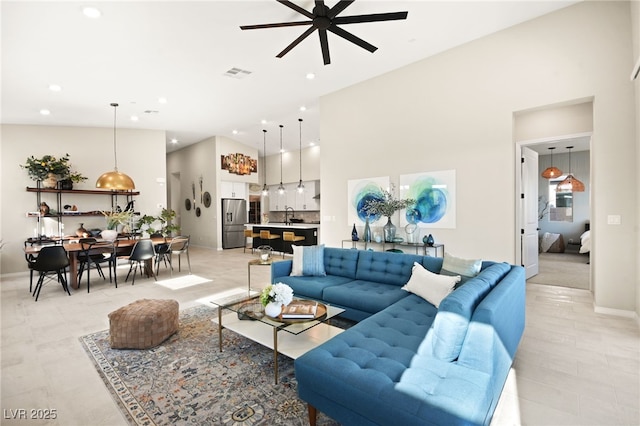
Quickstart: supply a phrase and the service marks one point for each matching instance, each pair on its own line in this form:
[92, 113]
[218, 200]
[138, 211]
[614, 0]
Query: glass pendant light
[265, 188]
[552, 172]
[281, 189]
[115, 180]
[300, 184]
[570, 183]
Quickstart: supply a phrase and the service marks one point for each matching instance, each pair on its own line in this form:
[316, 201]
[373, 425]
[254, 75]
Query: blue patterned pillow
[308, 260]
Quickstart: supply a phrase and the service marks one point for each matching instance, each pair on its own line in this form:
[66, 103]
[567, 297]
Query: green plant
[164, 220]
[117, 218]
[40, 168]
[387, 205]
[76, 177]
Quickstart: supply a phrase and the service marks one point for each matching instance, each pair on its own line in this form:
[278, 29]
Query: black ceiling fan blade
[339, 7]
[324, 45]
[374, 17]
[295, 42]
[352, 38]
[275, 25]
[320, 9]
[297, 8]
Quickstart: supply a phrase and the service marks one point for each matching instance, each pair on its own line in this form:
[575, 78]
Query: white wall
[635, 24]
[454, 111]
[203, 159]
[141, 155]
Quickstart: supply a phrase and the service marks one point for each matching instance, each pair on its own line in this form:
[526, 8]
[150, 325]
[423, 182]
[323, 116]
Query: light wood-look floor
[574, 367]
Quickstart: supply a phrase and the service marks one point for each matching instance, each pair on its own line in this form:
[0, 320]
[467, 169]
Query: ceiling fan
[324, 19]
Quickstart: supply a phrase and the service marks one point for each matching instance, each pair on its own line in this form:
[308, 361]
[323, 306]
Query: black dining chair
[142, 254]
[96, 253]
[31, 257]
[179, 245]
[50, 260]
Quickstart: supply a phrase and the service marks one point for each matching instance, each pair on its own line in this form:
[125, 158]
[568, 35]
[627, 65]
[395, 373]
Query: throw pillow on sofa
[308, 260]
[431, 287]
[466, 268]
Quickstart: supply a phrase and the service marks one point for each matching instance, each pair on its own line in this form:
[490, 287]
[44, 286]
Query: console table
[436, 250]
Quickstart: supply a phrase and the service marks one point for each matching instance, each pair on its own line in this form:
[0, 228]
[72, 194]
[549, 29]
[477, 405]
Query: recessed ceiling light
[91, 12]
[55, 87]
[312, 143]
[134, 118]
[263, 121]
[303, 108]
[162, 100]
[310, 76]
[174, 140]
[45, 112]
[234, 131]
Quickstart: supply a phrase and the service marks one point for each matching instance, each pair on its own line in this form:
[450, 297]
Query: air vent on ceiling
[237, 73]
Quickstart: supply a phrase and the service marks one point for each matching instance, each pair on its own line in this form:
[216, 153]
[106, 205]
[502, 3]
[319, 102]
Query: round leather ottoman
[143, 324]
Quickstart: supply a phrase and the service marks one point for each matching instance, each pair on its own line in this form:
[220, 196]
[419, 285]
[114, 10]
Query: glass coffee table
[245, 316]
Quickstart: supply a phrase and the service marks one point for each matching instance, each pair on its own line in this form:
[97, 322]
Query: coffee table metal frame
[252, 329]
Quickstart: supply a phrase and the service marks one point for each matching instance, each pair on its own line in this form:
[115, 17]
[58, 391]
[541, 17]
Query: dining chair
[179, 245]
[31, 257]
[50, 260]
[96, 253]
[290, 237]
[248, 233]
[142, 254]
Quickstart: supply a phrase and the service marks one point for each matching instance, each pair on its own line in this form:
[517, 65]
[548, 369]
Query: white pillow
[431, 287]
[296, 265]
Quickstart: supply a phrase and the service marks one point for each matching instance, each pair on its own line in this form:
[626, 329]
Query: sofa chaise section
[413, 364]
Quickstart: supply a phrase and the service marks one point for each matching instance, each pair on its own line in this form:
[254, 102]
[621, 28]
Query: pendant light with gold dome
[115, 180]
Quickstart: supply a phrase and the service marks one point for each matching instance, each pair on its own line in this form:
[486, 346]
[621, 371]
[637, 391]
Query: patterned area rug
[187, 380]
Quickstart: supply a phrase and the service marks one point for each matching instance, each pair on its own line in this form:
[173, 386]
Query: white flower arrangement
[279, 292]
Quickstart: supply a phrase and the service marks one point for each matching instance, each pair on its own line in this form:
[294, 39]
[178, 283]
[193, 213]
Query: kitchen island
[307, 230]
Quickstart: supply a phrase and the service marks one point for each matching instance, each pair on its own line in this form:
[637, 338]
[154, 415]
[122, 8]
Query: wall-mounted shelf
[60, 213]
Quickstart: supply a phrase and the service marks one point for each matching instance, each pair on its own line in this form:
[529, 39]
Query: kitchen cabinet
[233, 189]
[292, 198]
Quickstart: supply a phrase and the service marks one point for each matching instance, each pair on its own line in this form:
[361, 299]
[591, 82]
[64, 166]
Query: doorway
[561, 224]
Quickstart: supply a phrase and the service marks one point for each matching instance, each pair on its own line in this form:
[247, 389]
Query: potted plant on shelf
[385, 204]
[49, 170]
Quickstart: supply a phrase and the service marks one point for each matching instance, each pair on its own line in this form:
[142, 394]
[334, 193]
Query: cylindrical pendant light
[281, 189]
[265, 188]
[570, 183]
[300, 184]
[115, 179]
[551, 172]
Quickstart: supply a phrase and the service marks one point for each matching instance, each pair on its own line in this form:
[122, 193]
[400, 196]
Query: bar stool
[266, 235]
[248, 233]
[291, 238]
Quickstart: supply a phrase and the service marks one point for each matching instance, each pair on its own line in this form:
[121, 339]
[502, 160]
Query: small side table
[258, 262]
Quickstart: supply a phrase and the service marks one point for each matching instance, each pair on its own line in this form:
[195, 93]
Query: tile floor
[573, 367]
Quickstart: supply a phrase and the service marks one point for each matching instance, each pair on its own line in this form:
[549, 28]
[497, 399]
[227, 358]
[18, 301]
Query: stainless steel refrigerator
[234, 217]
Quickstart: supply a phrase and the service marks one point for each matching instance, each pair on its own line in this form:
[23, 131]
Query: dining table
[74, 247]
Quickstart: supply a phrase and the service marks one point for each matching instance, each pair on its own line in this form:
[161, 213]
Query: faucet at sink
[286, 215]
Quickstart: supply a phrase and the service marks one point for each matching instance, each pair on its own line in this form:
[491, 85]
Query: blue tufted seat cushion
[364, 296]
[312, 286]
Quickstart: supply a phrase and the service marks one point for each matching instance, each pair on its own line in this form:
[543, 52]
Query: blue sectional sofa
[407, 362]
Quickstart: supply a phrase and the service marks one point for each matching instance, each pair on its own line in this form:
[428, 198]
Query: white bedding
[585, 242]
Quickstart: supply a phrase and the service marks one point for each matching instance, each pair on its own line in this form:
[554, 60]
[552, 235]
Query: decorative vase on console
[366, 235]
[428, 240]
[389, 231]
[354, 233]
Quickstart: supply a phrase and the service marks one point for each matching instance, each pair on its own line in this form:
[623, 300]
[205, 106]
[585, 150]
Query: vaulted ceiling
[187, 67]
